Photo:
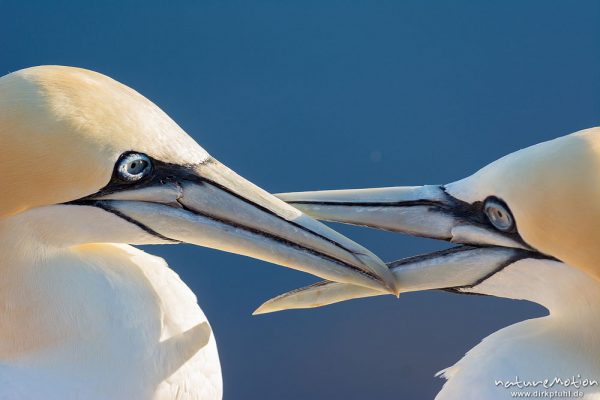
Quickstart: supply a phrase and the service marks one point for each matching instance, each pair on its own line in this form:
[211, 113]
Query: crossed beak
[426, 211]
[209, 205]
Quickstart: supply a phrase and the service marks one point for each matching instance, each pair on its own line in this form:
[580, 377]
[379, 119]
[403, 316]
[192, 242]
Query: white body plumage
[96, 321]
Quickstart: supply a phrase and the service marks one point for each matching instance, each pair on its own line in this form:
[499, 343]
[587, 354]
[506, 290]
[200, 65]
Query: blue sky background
[335, 94]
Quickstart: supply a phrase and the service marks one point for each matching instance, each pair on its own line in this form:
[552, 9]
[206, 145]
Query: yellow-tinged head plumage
[77, 143]
[63, 128]
[553, 190]
[540, 203]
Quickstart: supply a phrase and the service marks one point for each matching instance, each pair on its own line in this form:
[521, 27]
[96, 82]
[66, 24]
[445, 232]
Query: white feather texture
[564, 344]
[84, 318]
[548, 195]
[102, 321]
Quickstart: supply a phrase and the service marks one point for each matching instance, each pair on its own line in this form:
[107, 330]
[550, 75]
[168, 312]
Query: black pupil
[135, 167]
[498, 215]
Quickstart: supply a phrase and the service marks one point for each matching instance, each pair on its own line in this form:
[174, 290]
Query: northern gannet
[88, 166]
[528, 226]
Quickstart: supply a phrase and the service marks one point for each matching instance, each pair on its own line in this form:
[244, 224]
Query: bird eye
[499, 215]
[134, 167]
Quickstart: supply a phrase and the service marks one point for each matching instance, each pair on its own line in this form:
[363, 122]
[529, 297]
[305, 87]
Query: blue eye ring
[499, 215]
[134, 166]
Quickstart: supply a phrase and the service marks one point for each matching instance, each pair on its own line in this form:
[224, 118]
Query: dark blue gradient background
[335, 94]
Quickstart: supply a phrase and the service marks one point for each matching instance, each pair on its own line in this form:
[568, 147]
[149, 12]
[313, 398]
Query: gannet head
[96, 161]
[539, 203]
[550, 192]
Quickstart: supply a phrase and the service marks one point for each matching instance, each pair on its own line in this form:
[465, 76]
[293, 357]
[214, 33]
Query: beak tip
[262, 309]
[393, 289]
[380, 278]
[389, 282]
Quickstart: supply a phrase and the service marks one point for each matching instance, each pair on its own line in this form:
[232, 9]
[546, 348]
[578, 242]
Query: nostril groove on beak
[281, 240]
[381, 204]
[297, 225]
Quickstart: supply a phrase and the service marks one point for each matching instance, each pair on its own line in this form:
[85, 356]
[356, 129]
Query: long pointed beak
[458, 269]
[209, 205]
[427, 211]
